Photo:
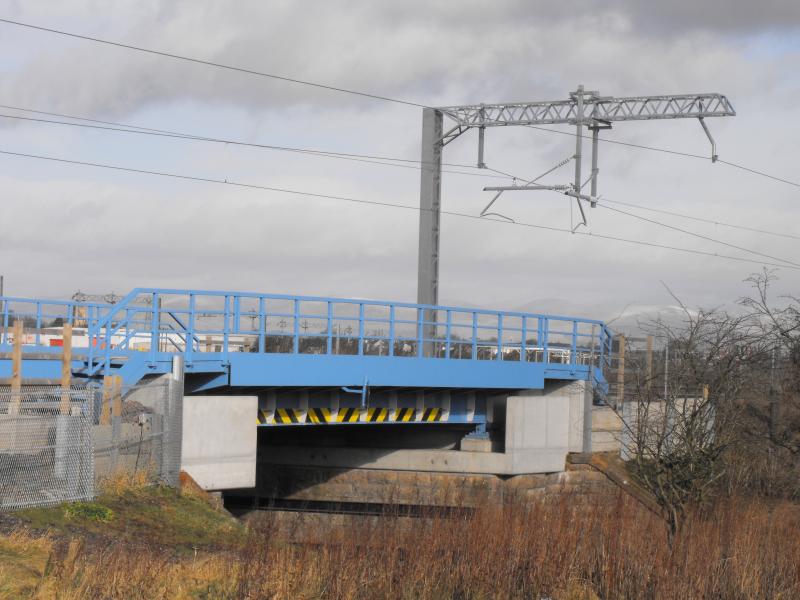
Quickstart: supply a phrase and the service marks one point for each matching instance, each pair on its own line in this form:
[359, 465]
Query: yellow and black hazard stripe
[405, 415]
[431, 415]
[287, 416]
[264, 417]
[318, 415]
[378, 415]
[348, 415]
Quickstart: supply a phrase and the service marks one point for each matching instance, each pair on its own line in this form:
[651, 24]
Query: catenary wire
[116, 126]
[601, 202]
[201, 137]
[668, 151]
[356, 92]
[384, 204]
[695, 234]
[128, 128]
[213, 64]
[702, 219]
[362, 158]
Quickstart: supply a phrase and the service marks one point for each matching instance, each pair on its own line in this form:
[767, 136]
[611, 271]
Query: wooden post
[209, 347]
[116, 403]
[621, 370]
[16, 370]
[105, 411]
[66, 369]
[649, 381]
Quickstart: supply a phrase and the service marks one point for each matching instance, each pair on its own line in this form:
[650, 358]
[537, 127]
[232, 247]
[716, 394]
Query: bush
[90, 511]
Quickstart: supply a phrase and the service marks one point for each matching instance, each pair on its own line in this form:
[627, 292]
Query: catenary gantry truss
[635, 108]
[583, 108]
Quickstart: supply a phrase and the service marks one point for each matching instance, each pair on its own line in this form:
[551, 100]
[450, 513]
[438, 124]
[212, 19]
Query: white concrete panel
[220, 441]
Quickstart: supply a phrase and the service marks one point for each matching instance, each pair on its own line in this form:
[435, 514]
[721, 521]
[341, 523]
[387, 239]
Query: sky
[66, 227]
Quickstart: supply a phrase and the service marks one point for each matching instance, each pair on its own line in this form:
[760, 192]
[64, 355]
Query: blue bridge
[311, 360]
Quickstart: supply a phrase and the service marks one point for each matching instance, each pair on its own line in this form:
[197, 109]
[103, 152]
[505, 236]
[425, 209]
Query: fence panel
[45, 446]
[55, 446]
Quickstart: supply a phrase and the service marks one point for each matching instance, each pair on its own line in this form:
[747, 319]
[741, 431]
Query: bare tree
[676, 442]
[773, 417]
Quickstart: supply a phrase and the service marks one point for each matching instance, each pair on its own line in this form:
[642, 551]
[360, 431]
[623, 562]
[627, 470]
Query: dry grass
[567, 549]
[122, 481]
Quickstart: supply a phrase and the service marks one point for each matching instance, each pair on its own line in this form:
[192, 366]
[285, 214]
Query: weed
[91, 511]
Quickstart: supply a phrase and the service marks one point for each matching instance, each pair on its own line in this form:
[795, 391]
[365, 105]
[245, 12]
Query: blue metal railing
[221, 322]
[210, 325]
[42, 314]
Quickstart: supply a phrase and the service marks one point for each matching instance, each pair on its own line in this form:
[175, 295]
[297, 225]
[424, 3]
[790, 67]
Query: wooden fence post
[66, 369]
[16, 370]
[105, 411]
[116, 404]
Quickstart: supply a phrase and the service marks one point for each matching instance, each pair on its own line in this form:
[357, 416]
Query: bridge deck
[267, 340]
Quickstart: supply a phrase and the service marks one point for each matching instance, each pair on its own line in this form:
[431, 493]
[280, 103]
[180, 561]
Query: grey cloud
[158, 232]
[433, 53]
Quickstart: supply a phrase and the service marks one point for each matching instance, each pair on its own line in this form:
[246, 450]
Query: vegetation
[137, 513]
[566, 548]
[725, 417]
[715, 443]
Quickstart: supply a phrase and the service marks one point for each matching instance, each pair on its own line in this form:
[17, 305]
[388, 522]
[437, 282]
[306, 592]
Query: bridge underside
[328, 389]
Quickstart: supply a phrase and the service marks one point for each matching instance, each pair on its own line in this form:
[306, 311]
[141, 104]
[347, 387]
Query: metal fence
[57, 446]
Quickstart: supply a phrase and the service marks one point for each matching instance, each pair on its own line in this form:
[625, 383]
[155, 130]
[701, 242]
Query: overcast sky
[67, 227]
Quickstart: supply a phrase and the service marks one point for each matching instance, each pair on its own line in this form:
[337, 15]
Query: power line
[668, 151]
[620, 143]
[602, 203]
[213, 64]
[755, 172]
[126, 128]
[697, 235]
[358, 93]
[384, 204]
[702, 219]
[367, 158]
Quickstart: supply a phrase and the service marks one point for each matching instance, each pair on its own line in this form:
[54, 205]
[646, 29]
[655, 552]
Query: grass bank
[164, 544]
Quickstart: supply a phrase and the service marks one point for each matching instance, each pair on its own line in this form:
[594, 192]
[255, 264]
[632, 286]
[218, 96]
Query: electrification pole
[583, 109]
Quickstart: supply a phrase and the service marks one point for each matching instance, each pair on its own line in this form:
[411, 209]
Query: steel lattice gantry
[583, 108]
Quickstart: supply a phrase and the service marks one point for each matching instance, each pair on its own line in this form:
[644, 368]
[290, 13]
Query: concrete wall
[219, 441]
[543, 426]
[606, 429]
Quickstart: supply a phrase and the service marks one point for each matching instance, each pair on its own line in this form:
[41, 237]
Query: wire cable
[602, 202]
[668, 151]
[213, 64]
[128, 128]
[385, 204]
[697, 235]
[356, 92]
[755, 172]
[367, 158]
[702, 219]
[125, 128]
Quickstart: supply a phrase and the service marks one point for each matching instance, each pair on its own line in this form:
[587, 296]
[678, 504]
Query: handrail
[426, 331]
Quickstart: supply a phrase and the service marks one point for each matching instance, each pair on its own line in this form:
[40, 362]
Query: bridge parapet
[216, 330]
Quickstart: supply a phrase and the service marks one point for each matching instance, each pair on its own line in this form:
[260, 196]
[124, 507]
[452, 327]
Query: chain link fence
[56, 445]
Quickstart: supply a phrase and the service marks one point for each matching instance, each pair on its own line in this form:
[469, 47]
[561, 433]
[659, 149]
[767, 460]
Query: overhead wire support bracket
[714, 155]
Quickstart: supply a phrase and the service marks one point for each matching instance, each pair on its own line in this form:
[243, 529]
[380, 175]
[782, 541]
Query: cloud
[65, 228]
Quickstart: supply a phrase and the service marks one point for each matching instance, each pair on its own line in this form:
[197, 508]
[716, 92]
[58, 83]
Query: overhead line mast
[583, 109]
